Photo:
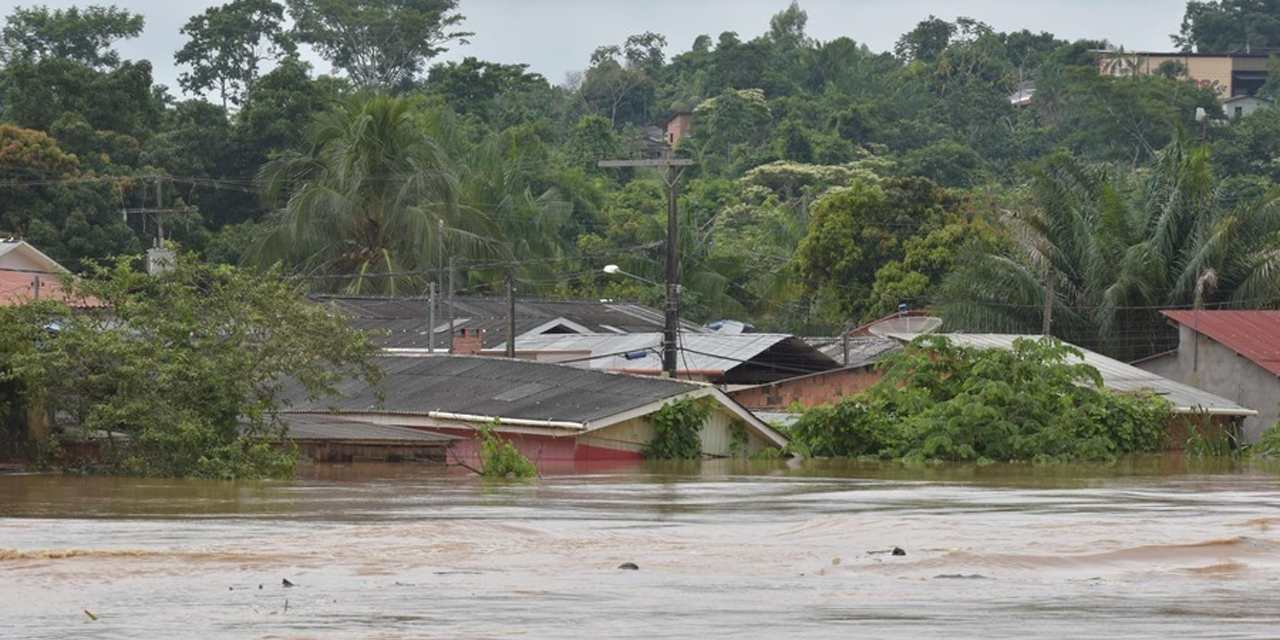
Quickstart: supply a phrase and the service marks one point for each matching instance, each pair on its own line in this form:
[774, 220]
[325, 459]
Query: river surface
[1153, 548]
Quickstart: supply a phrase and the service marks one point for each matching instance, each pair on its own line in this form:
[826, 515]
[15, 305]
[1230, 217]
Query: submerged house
[1234, 354]
[552, 413]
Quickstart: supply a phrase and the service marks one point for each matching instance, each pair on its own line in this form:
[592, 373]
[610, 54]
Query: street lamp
[672, 318]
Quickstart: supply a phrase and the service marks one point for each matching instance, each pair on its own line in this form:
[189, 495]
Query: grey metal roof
[479, 386]
[863, 350]
[342, 427]
[735, 358]
[406, 320]
[1116, 375]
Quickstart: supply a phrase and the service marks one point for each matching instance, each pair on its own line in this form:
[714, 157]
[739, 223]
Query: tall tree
[473, 85]
[380, 44]
[854, 231]
[86, 36]
[620, 79]
[1230, 26]
[227, 44]
[372, 205]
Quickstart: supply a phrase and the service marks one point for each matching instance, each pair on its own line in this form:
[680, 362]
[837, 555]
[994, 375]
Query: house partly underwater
[554, 414]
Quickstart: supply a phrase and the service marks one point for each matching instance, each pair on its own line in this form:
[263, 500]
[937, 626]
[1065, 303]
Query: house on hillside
[720, 359]
[1230, 74]
[555, 414]
[410, 324]
[678, 126]
[1235, 354]
[26, 273]
[1244, 106]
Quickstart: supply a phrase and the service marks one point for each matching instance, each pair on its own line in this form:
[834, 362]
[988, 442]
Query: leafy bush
[499, 458]
[678, 430]
[939, 401]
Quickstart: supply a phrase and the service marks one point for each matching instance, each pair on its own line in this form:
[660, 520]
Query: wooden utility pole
[159, 212]
[670, 335]
[511, 316]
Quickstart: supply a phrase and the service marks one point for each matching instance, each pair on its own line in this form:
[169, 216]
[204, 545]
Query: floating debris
[286, 583]
[960, 576]
[629, 566]
[91, 615]
[895, 551]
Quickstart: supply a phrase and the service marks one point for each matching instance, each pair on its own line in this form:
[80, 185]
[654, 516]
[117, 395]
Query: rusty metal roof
[1252, 334]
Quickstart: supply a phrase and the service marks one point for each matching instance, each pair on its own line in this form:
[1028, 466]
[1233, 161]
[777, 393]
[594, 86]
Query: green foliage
[1230, 26]
[499, 458]
[226, 44]
[780, 119]
[374, 199]
[678, 429]
[1116, 244]
[380, 44]
[854, 231]
[84, 36]
[179, 374]
[939, 401]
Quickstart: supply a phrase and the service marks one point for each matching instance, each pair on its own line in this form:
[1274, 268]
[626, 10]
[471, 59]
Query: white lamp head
[611, 268]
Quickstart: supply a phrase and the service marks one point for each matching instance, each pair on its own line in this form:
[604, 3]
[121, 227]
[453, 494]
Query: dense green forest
[831, 183]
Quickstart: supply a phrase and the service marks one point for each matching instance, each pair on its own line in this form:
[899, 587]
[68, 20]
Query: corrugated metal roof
[339, 427]
[405, 320]
[769, 355]
[1252, 334]
[481, 386]
[1116, 375]
[862, 350]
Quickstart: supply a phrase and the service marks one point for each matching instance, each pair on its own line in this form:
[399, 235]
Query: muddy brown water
[1148, 548]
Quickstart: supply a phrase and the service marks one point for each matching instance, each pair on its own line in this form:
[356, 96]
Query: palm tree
[498, 176]
[372, 206]
[1104, 249]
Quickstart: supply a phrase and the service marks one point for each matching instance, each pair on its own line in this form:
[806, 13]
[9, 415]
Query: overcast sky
[556, 37]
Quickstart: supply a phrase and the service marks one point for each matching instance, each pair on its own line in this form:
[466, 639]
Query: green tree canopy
[1229, 26]
[84, 36]
[179, 374]
[226, 45]
[853, 231]
[380, 44]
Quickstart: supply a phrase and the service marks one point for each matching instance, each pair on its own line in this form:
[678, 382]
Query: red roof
[1252, 334]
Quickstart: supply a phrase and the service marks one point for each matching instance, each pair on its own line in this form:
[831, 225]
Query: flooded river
[1157, 548]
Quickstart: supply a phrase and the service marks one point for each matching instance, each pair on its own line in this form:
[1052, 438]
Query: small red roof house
[1233, 354]
[26, 273]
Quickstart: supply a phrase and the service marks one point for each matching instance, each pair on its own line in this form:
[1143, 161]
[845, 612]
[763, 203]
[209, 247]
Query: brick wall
[468, 342]
[809, 391]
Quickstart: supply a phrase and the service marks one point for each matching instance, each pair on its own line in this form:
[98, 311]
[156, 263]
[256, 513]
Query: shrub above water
[1038, 401]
